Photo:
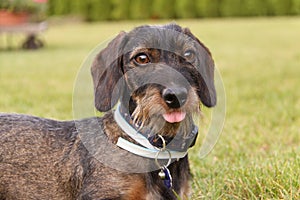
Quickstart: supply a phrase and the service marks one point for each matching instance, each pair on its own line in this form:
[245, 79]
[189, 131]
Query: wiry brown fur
[48, 159]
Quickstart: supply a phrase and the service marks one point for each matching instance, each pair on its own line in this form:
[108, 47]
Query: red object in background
[8, 18]
[40, 1]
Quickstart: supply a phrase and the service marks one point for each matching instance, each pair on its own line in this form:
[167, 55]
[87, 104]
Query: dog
[158, 76]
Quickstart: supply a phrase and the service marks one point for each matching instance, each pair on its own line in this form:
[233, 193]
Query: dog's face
[160, 73]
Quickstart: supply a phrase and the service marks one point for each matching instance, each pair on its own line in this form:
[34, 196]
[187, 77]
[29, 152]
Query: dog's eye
[142, 59]
[189, 55]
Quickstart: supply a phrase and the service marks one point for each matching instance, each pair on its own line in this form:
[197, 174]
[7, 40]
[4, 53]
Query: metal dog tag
[165, 175]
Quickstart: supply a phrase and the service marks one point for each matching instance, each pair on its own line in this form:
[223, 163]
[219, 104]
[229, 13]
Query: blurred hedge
[94, 10]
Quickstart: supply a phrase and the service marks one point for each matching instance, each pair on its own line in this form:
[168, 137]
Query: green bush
[229, 8]
[58, 7]
[163, 9]
[77, 6]
[96, 10]
[208, 8]
[185, 9]
[140, 9]
[254, 8]
[120, 9]
[279, 7]
[295, 7]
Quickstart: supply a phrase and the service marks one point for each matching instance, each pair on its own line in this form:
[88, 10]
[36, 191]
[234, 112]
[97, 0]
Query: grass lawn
[258, 153]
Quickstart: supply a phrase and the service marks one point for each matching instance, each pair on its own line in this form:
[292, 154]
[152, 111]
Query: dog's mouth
[174, 117]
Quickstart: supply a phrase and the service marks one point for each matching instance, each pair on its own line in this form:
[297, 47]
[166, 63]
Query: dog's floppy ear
[106, 72]
[205, 78]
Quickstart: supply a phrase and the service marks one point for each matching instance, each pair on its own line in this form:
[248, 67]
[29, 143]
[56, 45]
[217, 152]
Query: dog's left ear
[106, 72]
[205, 78]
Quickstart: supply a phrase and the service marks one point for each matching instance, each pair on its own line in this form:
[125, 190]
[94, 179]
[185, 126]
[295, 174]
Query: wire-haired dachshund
[149, 82]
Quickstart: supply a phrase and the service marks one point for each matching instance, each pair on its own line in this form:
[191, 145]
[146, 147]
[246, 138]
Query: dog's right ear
[106, 72]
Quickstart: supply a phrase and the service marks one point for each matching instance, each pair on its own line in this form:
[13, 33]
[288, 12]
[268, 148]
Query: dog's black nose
[174, 97]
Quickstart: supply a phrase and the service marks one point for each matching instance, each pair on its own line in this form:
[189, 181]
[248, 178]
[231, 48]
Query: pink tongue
[174, 117]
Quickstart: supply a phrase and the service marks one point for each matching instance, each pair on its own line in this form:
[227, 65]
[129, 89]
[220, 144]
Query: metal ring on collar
[163, 143]
[169, 160]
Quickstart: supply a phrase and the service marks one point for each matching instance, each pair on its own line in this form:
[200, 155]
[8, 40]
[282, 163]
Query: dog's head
[160, 73]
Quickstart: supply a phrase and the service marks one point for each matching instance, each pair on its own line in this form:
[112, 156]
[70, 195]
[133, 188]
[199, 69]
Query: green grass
[258, 153]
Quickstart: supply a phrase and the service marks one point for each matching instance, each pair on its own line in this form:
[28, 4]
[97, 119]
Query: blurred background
[94, 10]
[99, 10]
[255, 45]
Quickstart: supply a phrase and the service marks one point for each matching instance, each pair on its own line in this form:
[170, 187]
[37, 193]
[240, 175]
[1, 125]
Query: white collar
[147, 149]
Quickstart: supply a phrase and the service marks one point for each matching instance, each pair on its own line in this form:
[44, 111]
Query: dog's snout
[175, 97]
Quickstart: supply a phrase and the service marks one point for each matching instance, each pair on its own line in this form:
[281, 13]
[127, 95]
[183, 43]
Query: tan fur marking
[138, 189]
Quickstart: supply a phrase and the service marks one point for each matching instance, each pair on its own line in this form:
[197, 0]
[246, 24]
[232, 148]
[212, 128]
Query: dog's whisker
[136, 114]
[142, 125]
[135, 119]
